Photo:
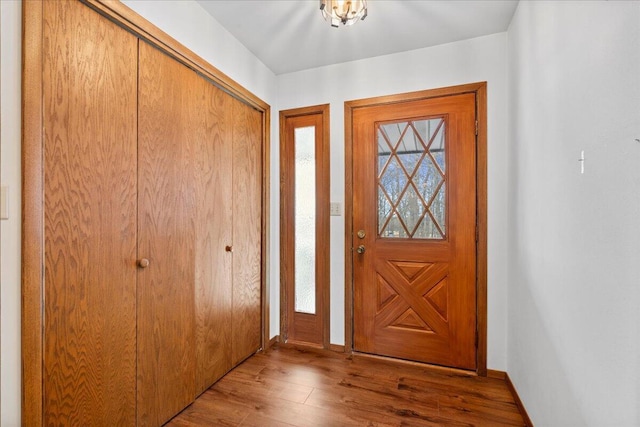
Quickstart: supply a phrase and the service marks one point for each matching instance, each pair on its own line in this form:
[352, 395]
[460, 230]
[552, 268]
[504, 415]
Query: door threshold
[301, 344]
[430, 366]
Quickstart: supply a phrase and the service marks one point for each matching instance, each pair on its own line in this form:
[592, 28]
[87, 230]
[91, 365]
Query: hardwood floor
[295, 386]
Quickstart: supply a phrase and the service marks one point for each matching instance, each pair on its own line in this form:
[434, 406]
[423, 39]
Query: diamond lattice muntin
[411, 179]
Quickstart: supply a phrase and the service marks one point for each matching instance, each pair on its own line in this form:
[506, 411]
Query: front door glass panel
[412, 179]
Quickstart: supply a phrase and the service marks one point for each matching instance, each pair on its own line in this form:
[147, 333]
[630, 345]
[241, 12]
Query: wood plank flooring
[296, 386]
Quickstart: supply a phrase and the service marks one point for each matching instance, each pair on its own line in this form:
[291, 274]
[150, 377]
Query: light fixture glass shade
[345, 12]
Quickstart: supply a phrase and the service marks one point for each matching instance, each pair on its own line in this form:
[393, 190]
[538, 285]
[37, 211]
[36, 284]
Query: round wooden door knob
[143, 263]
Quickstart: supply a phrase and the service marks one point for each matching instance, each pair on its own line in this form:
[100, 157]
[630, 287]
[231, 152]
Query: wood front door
[414, 230]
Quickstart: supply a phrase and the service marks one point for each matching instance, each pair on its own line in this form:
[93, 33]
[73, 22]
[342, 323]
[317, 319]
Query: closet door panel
[247, 225]
[168, 126]
[89, 87]
[214, 173]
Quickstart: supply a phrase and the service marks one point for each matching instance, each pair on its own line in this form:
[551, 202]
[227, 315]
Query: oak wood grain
[89, 89]
[296, 386]
[167, 117]
[89, 304]
[126, 17]
[36, 47]
[32, 213]
[247, 235]
[214, 285]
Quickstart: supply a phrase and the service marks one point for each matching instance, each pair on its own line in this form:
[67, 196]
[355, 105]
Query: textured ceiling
[291, 35]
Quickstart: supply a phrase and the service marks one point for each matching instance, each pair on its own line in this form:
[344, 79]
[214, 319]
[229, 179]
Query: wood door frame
[480, 91]
[32, 321]
[324, 111]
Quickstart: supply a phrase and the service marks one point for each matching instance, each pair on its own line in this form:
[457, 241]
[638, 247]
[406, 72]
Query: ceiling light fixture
[345, 12]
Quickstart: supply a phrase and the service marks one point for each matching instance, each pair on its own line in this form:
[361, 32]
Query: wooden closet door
[89, 95]
[214, 292]
[247, 226]
[168, 128]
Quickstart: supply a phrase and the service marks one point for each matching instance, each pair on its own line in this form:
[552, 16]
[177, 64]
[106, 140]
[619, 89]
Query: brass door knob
[143, 263]
[361, 234]
[360, 249]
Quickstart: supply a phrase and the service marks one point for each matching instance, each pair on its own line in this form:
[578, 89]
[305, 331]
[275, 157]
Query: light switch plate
[4, 203]
[335, 209]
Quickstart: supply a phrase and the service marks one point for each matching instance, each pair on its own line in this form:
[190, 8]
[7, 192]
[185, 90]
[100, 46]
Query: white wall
[480, 59]
[574, 239]
[10, 107]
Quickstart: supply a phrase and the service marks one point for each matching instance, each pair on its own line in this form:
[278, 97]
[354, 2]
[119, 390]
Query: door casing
[480, 91]
[287, 314]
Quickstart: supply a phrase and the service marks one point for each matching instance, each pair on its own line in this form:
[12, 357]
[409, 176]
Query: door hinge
[477, 233]
[476, 128]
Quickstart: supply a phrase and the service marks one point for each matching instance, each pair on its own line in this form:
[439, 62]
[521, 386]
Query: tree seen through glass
[412, 179]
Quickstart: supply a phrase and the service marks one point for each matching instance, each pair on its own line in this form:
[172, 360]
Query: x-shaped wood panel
[410, 292]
